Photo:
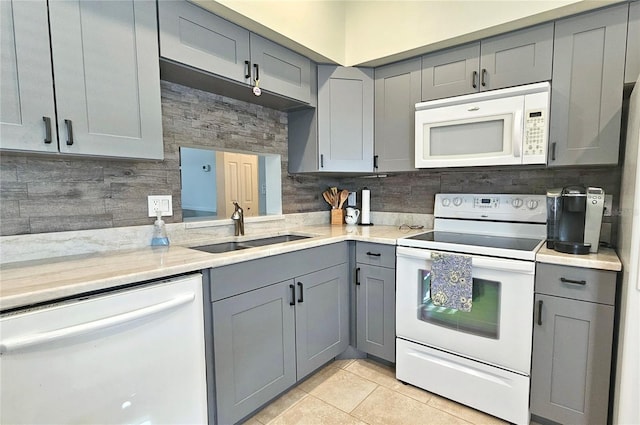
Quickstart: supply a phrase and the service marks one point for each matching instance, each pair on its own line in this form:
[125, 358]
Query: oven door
[497, 330]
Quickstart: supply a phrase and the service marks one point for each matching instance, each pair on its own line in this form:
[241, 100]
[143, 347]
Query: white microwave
[498, 127]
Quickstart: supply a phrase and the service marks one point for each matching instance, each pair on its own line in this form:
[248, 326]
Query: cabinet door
[519, 57]
[586, 96]
[571, 360]
[632, 64]
[451, 72]
[397, 90]
[280, 70]
[254, 349]
[322, 317]
[376, 305]
[26, 82]
[345, 119]
[198, 38]
[105, 61]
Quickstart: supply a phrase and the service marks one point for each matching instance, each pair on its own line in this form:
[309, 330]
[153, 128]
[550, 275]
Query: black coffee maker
[574, 217]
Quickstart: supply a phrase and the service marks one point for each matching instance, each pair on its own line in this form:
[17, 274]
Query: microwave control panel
[535, 128]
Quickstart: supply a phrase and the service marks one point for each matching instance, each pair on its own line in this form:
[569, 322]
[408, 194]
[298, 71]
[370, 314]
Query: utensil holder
[337, 216]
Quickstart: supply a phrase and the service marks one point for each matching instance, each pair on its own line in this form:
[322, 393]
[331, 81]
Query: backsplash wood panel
[40, 193]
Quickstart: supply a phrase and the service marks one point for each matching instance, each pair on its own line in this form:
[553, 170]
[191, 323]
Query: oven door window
[483, 319]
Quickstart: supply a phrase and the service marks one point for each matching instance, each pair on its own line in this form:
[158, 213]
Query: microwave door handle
[518, 136]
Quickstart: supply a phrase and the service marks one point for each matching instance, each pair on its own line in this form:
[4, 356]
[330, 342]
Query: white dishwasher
[132, 356]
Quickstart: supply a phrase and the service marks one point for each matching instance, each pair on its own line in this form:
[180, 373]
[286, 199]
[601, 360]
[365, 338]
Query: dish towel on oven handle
[451, 281]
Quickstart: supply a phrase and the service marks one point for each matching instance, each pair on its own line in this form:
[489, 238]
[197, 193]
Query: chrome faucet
[238, 219]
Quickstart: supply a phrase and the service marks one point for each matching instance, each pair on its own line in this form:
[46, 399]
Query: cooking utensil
[344, 194]
[328, 198]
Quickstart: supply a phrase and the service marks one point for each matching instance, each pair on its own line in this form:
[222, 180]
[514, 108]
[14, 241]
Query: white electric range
[481, 358]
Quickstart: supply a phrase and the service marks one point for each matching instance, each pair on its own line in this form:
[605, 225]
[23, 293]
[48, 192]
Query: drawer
[576, 283]
[376, 254]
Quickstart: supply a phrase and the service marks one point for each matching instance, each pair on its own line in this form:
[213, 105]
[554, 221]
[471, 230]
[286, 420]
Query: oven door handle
[503, 264]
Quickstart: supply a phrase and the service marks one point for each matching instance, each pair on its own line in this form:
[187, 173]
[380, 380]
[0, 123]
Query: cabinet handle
[47, 128]
[69, 125]
[321, 160]
[257, 68]
[374, 254]
[539, 312]
[483, 79]
[248, 73]
[293, 295]
[575, 282]
[358, 276]
[301, 299]
[553, 151]
[375, 161]
[474, 79]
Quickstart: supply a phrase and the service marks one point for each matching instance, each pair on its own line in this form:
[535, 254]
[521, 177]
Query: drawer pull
[575, 282]
[358, 276]
[293, 295]
[374, 254]
[539, 312]
[47, 127]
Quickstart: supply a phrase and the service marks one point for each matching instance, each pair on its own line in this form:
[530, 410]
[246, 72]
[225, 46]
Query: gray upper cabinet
[586, 96]
[451, 72]
[195, 37]
[511, 59]
[280, 70]
[397, 90]
[337, 136]
[572, 340]
[107, 79]
[198, 38]
[27, 110]
[345, 119]
[632, 66]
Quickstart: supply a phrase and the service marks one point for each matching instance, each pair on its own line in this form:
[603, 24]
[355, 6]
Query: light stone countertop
[31, 282]
[37, 281]
[604, 259]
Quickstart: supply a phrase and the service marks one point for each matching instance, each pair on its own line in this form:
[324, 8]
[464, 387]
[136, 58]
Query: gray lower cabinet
[515, 58]
[106, 78]
[195, 37]
[397, 90]
[254, 348]
[632, 64]
[572, 344]
[375, 281]
[586, 94]
[275, 320]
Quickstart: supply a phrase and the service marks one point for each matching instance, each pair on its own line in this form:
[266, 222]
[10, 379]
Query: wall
[55, 193]
[362, 32]
[201, 181]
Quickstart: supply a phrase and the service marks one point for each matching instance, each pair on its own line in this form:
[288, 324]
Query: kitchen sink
[219, 248]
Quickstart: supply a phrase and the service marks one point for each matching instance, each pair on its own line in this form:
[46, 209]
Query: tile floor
[364, 392]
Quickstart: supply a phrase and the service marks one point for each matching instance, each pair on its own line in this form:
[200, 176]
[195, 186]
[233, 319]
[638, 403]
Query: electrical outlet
[160, 203]
[608, 202]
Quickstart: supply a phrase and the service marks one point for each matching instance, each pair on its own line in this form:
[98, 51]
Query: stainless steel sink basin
[274, 240]
[219, 248]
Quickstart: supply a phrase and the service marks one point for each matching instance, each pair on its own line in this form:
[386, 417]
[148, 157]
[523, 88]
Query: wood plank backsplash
[52, 193]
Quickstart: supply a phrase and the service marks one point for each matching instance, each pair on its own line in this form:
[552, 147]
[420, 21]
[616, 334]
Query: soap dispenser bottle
[159, 232]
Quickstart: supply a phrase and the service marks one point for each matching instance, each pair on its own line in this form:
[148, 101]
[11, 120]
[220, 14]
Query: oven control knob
[517, 203]
[446, 202]
[532, 204]
[457, 201]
